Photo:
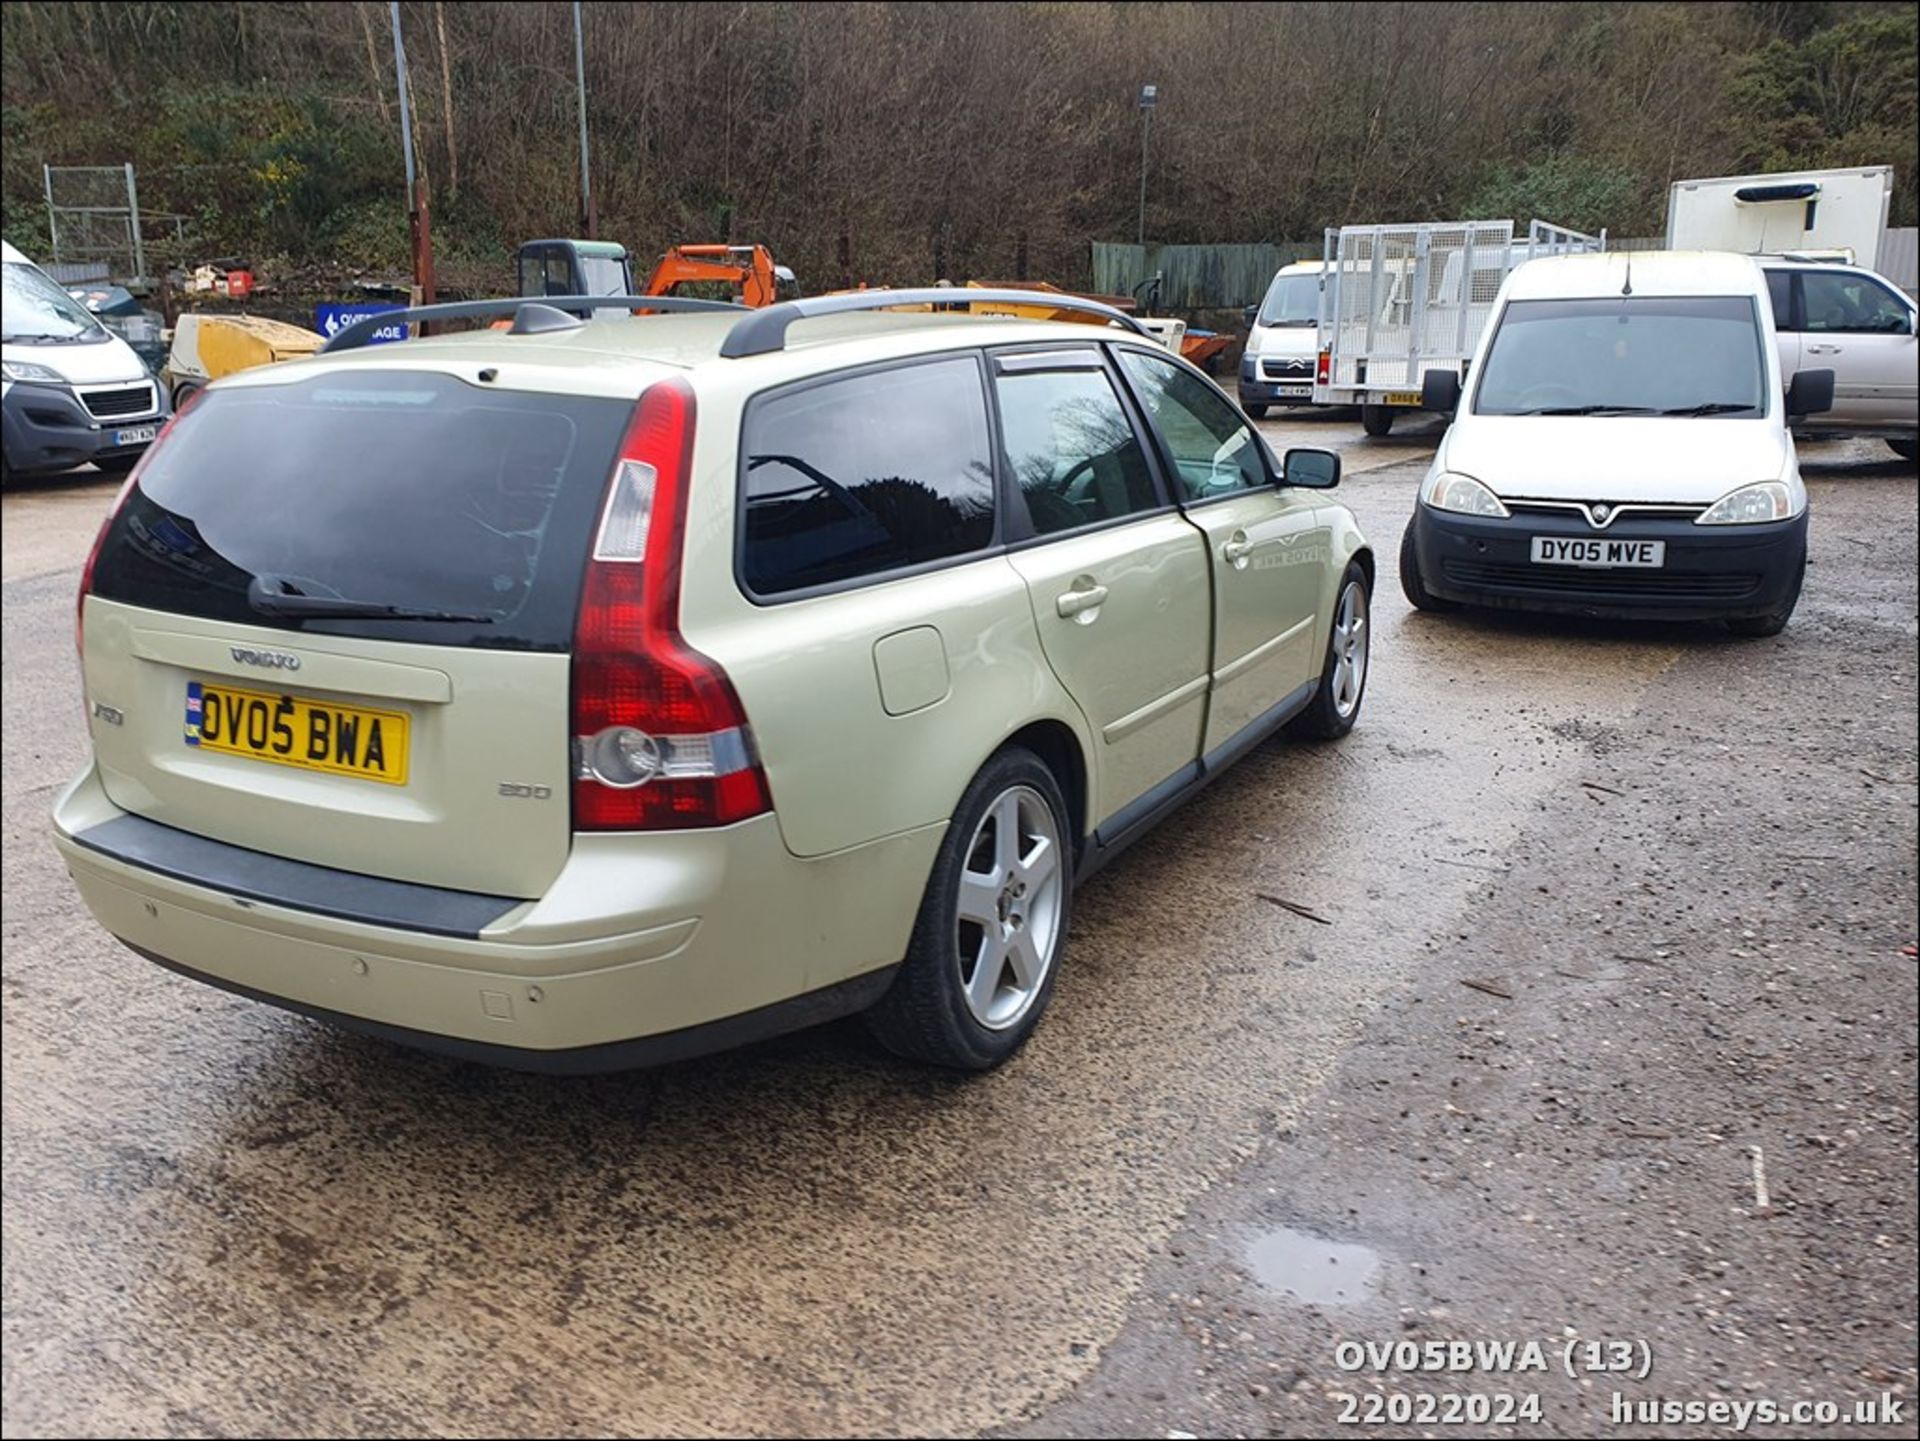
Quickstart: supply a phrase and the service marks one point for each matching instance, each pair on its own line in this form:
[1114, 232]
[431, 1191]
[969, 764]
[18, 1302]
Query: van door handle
[1236, 550]
[1082, 601]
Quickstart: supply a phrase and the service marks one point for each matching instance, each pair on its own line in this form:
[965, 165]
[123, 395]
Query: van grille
[103, 404]
[1573, 580]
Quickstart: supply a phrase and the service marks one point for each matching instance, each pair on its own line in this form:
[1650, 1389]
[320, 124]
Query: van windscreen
[381, 488]
[1652, 355]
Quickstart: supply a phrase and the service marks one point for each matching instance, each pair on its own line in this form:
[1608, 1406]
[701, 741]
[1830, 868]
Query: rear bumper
[646, 948]
[1711, 572]
[48, 428]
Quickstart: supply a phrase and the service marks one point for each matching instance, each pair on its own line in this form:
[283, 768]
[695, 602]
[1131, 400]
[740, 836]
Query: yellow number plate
[1403, 397]
[292, 730]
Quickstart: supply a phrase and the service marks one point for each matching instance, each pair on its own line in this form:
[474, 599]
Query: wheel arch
[1059, 749]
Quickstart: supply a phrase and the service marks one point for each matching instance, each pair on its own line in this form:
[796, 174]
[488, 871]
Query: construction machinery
[206, 347]
[1201, 347]
[601, 267]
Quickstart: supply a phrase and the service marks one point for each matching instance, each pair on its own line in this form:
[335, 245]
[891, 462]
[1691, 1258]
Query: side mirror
[1310, 469]
[1810, 393]
[1440, 390]
[1248, 314]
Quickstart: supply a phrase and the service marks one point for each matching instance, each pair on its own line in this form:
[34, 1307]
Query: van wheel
[1343, 678]
[1905, 449]
[1417, 593]
[1376, 419]
[1254, 412]
[986, 946]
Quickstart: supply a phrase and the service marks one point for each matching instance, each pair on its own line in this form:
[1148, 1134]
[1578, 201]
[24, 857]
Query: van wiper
[1591, 410]
[1712, 407]
[280, 595]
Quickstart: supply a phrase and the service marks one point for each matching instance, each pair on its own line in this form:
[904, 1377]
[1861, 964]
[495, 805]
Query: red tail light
[100, 537]
[1323, 370]
[660, 738]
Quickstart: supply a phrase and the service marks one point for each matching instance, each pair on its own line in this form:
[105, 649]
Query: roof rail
[361, 332]
[762, 332]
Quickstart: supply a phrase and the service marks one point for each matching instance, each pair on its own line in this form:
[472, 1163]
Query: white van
[1620, 449]
[1276, 368]
[73, 391]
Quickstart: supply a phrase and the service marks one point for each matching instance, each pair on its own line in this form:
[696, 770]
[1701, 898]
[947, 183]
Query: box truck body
[1829, 213]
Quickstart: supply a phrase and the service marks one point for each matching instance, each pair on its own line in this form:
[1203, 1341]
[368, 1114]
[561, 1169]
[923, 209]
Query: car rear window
[414, 490]
[865, 474]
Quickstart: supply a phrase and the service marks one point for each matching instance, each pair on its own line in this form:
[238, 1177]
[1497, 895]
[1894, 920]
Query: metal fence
[95, 224]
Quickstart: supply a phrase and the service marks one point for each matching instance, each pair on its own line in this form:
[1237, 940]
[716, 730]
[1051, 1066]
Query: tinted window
[1780, 292]
[1212, 449]
[1850, 303]
[1630, 356]
[1071, 449]
[866, 474]
[410, 490]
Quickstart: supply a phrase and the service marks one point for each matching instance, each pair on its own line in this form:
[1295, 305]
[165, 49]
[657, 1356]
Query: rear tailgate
[430, 744]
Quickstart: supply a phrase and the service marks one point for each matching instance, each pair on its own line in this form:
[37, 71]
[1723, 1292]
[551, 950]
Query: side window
[1071, 449]
[1850, 303]
[533, 276]
[866, 474]
[1780, 291]
[1213, 450]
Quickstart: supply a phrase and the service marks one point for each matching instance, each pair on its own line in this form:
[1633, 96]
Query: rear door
[433, 748]
[1268, 546]
[1857, 326]
[1116, 576]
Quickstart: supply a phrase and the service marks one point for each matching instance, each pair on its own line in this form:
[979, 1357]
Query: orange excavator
[748, 270]
[600, 267]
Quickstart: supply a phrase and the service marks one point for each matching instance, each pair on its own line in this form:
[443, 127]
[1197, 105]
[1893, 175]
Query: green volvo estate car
[619, 687]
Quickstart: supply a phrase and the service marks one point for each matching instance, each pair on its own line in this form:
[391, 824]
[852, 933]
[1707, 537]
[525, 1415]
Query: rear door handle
[1823, 350]
[1236, 550]
[1081, 599]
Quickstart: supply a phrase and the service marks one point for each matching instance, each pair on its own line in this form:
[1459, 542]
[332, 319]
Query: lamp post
[1149, 97]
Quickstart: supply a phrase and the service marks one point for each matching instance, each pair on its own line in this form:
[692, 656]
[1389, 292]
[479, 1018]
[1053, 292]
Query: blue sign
[331, 319]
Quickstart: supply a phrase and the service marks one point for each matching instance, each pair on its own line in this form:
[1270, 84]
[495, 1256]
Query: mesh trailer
[1398, 301]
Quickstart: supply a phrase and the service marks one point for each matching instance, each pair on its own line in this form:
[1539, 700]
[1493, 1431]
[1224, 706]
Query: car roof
[12, 256]
[1650, 272]
[607, 355]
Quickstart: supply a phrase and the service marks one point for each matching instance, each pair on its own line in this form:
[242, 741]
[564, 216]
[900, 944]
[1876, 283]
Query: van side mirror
[1248, 314]
[1440, 390]
[1310, 469]
[1810, 392]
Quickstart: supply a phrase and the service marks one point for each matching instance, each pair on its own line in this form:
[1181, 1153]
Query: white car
[1861, 326]
[1621, 448]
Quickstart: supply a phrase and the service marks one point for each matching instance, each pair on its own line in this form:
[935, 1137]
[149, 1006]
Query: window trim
[1164, 453]
[1021, 534]
[996, 542]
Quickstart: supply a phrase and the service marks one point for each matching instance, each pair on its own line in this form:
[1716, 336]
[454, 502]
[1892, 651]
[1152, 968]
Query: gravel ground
[1689, 965]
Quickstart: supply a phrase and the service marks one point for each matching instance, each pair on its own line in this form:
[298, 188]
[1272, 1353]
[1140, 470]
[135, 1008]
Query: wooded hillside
[891, 142]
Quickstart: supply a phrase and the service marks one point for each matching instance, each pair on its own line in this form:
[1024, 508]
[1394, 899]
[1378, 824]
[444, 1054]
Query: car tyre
[1254, 411]
[1376, 420]
[1759, 626]
[1000, 896]
[1417, 593]
[1343, 677]
[1905, 449]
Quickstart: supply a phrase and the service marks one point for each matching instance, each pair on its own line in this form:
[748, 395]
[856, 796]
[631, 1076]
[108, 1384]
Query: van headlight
[1461, 494]
[1751, 505]
[27, 373]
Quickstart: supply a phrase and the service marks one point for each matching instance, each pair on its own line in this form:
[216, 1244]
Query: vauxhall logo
[273, 659]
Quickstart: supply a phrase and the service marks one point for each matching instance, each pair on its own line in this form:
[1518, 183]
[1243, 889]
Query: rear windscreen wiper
[1712, 407]
[279, 595]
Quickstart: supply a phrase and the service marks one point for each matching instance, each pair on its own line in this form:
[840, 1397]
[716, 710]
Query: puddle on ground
[1311, 1268]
